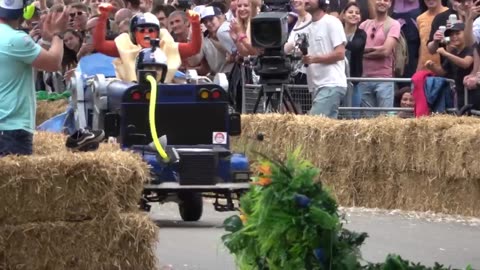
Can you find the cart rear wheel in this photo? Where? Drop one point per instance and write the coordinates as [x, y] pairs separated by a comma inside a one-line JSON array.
[[190, 206]]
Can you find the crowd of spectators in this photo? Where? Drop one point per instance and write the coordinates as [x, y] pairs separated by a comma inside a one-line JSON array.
[[347, 38]]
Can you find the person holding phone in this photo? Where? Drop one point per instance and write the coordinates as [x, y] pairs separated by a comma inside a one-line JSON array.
[[36, 32]]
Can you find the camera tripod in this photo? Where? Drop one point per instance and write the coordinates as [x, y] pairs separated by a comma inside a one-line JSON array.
[[275, 95]]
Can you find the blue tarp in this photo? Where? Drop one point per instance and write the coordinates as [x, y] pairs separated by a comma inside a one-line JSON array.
[[61, 123], [96, 63]]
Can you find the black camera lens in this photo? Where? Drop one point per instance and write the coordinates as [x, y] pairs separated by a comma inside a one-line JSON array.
[[266, 34], [269, 30]]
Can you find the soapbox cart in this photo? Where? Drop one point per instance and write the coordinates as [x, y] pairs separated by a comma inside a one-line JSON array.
[[193, 120]]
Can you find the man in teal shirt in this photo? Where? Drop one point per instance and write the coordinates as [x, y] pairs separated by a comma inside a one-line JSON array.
[[19, 55]]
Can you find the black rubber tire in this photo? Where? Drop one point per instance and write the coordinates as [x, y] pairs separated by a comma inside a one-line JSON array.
[[190, 206]]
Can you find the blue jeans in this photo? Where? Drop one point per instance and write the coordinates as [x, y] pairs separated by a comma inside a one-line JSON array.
[[356, 101], [326, 101], [16, 142], [377, 94]]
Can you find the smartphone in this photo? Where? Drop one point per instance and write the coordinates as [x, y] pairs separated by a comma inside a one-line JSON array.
[[89, 39], [34, 24]]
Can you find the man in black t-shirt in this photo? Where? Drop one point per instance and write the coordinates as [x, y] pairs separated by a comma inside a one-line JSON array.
[[457, 63], [435, 38], [457, 73]]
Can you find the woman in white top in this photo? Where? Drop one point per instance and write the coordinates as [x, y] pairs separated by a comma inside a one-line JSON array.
[[240, 46], [240, 27], [299, 74]]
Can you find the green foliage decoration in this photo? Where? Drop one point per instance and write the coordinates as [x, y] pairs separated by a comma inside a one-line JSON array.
[[288, 220]]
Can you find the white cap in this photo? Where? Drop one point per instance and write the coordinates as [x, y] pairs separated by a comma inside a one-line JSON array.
[[199, 9], [210, 11], [12, 9]]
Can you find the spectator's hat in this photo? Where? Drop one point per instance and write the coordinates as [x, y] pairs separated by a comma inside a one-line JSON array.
[[199, 9], [220, 5], [458, 26], [12, 9], [30, 11], [210, 12]]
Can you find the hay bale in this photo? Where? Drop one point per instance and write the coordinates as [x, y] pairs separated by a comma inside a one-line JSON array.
[[45, 143], [48, 109], [386, 162], [69, 186], [406, 191], [125, 242], [384, 143], [461, 144]]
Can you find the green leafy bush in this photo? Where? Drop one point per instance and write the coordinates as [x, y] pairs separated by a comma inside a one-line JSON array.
[[290, 221]]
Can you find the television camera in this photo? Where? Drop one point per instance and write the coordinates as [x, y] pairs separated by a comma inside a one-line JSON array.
[[276, 6], [190, 158], [269, 32]]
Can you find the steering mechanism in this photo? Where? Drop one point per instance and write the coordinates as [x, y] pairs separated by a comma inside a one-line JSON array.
[[152, 68]]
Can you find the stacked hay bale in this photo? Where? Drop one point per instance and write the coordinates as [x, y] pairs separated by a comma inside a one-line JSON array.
[[47, 109], [62, 210], [428, 164]]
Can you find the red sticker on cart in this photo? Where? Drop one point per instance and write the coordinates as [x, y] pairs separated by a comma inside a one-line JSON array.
[[219, 138]]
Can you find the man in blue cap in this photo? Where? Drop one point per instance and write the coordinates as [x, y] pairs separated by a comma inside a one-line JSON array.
[[19, 55]]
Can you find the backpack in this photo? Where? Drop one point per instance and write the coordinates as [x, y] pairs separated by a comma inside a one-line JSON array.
[[400, 58]]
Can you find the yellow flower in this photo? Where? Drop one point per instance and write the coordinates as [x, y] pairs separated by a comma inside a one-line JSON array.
[[243, 218]]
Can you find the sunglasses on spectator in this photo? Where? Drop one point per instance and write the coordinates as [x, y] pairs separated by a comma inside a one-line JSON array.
[[372, 36], [78, 13], [144, 30]]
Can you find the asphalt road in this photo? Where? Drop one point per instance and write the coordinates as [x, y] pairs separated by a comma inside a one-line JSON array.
[[419, 237]]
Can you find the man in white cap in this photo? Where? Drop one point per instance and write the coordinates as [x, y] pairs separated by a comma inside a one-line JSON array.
[[19, 55]]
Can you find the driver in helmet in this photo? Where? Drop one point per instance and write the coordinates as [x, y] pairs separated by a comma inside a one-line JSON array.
[[152, 61], [143, 27]]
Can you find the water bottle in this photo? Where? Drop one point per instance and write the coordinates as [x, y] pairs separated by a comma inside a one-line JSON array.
[[442, 29], [452, 19]]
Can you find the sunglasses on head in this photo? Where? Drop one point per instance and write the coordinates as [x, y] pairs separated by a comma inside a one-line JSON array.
[[144, 30], [78, 13]]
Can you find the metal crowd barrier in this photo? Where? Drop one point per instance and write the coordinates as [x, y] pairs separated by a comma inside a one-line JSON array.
[[475, 112], [302, 99]]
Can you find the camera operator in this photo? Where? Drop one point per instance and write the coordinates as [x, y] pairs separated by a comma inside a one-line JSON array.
[[304, 20], [301, 27], [326, 60]]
